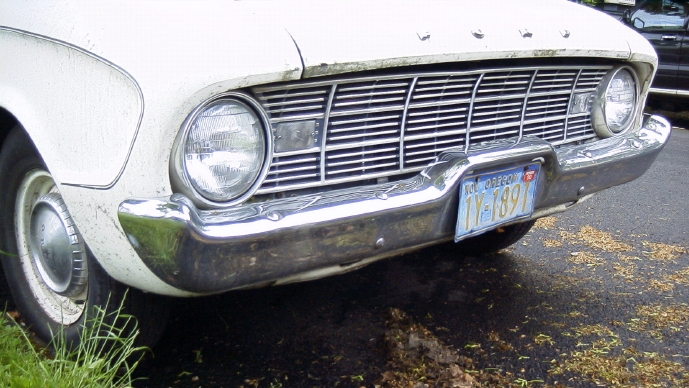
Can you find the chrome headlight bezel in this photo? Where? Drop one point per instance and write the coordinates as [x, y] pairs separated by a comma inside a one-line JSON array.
[[599, 119], [180, 179]]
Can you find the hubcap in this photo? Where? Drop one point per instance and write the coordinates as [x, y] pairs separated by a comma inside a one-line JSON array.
[[51, 250], [57, 247]]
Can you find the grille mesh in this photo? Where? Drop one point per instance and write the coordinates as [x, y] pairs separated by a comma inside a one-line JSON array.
[[378, 127]]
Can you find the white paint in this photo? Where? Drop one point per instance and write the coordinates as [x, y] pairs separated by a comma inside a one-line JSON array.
[[83, 113], [622, 2], [360, 35]]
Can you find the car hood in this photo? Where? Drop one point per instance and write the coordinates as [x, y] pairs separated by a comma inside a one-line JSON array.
[[180, 46], [338, 37]]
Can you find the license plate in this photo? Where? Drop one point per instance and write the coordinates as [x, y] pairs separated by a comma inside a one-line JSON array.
[[494, 198]]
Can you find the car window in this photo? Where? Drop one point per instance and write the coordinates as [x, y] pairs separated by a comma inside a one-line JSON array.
[[660, 15]]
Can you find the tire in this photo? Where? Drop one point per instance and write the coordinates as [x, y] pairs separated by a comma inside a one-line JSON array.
[[494, 240], [58, 286]]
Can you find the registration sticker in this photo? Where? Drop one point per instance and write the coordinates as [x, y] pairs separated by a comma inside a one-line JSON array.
[[494, 198]]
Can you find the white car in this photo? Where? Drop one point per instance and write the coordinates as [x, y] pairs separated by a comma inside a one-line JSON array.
[[186, 148]]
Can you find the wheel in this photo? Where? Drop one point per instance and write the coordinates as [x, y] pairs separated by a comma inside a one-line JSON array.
[[494, 240], [54, 279]]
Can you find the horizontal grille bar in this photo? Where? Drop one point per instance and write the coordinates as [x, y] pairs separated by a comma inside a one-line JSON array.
[[376, 127]]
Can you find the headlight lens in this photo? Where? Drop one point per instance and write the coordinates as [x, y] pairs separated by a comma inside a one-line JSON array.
[[224, 150], [620, 101], [614, 107]]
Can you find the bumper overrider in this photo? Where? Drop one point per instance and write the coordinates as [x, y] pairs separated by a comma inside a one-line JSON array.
[[311, 236]]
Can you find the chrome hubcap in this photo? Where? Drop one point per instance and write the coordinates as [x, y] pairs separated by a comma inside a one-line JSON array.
[[57, 247], [51, 250]]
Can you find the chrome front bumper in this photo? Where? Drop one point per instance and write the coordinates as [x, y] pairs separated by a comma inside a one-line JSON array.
[[311, 236]]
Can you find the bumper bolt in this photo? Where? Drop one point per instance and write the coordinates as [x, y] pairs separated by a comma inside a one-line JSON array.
[[380, 242]]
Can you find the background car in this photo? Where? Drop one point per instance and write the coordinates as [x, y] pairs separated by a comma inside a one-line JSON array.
[[664, 24]]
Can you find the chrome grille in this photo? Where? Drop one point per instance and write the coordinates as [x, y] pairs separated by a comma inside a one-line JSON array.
[[371, 128]]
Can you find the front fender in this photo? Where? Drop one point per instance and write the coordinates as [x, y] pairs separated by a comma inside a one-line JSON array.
[[80, 110]]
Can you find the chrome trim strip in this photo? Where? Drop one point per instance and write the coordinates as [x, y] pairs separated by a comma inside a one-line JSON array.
[[345, 80], [297, 109], [293, 102], [447, 122], [470, 112], [292, 178], [311, 93], [340, 180], [569, 102], [309, 151], [403, 127], [372, 99], [296, 118], [336, 147], [545, 94], [324, 135], [671, 92], [372, 87], [114, 67], [431, 135], [257, 244], [421, 105], [354, 112]]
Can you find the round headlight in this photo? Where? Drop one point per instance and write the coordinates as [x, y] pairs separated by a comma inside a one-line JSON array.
[[223, 151], [620, 101], [617, 101]]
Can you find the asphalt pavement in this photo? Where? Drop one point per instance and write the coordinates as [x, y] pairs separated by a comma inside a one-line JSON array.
[[596, 296]]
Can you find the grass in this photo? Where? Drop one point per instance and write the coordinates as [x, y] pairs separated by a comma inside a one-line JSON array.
[[105, 357], [3, 253]]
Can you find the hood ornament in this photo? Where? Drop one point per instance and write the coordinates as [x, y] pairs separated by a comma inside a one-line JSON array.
[[478, 33], [424, 36], [564, 33]]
